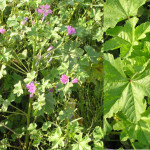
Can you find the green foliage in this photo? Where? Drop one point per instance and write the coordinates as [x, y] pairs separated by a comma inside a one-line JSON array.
[[38, 110], [126, 72], [122, 9]]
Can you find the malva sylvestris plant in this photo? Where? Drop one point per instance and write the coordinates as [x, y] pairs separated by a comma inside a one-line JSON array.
[[31, 88], [2, 31], [37, 63], [71, 30], [75, 80], [44, 9], [64, 79]]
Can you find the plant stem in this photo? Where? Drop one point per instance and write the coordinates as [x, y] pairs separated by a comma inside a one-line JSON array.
[[34, 51], [28, 122], [15, 69], [18, 109]]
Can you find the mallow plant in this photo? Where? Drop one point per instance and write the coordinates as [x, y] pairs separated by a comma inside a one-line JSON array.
[[51, 75]]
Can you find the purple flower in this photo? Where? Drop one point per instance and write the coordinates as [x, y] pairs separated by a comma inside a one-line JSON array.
[[64, 79], [44, 9], [75, 80], [47, 55], [50, 48], [71, 116], [22, 22], [51, 90], [31, 88], [39, 57], [71, 30], [36, 63], [33, 22], [43, 18], [50, 60], [47, 23], [26, 19], [2, 31]]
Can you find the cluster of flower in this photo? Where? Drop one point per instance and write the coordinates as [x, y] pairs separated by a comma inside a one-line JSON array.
[[2, 31], [31, 88], [44, 9], [64, 79]]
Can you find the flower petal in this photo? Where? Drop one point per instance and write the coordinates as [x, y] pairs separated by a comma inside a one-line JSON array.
[[49, 11], [47, 6], [44, 14]]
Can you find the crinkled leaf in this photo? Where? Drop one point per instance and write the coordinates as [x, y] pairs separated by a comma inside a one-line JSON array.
[[30, 77], [12, 21], [18, 89], [126, 38], [122, 9], [122, 93], [2, 71], [92, 54], [2, 5], [82, 143], [40, 103], [50, 103], [46, 125], [57, 139]]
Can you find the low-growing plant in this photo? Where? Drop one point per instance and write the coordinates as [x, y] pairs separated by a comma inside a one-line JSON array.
[[51, 74]]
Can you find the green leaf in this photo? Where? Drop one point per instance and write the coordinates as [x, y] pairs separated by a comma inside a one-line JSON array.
[[18, 89], [122, 9], [92, 54], [98, 145], [2, 71], [71, 51], [122, 93], [67, 87], [63, 68], [2, 5], [50, 103], [23, 55], [57, 139], [32, 126], [12, 21], [124, 38], [98, 133], [40, 103], [141, 30], [46, 125], [136, 131], [82, 143], [30, 77], [5, 54], [65, 114], [5, 105]]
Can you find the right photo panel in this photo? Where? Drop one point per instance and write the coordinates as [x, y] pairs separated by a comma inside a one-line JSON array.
[[126, 105]]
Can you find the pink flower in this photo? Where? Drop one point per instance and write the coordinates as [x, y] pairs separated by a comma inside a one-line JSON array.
[[26, 19], [50, 48], [47, 23], [2, 31], [64, 79], [75, 80], [51, 90], [44, 10], [33, 22], [22, 22], [31, 88], [71, 30]]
